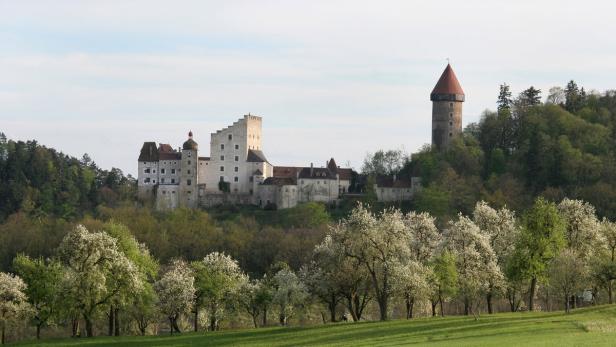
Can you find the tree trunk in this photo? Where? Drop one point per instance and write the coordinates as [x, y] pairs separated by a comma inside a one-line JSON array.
[[489, 302], [466, 306], [531, 299], [2, 339], [440, 300], [359, 306], [433, 303], [116, 316], [213, 323], [282, 319], [196, 322], [111, 321], [567, 299], [75, 327], [351, 309], [409, 307], [254, 320], [264, 316], [511, 298], [89, 328], [38, 331], [382, 300], [175, 324], [171, 326], [332, 308], [609, 292]]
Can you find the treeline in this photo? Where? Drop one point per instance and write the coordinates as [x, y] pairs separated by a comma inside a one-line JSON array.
[[44, 182], [256, 238], [367, 266], [564, 146]]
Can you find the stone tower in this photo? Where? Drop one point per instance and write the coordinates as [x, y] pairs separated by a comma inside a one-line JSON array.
[[447, 98], [189, 193]]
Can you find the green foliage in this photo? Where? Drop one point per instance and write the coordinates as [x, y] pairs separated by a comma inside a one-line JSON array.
[[541, 238], [41, 181], [43, 284]]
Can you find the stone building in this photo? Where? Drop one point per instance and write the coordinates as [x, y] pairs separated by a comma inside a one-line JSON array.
[[447, 98], [394, 189], [236, 172]]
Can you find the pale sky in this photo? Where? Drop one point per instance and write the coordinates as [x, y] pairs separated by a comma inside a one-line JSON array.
[[330, 78]]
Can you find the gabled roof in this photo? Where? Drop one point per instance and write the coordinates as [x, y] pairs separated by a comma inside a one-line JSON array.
[[331, 165], [280, 181], [286, 171], [149, 152], [447, 84], [390, 182], [317, 173], [165, 147], [169, 156], [256, 156]]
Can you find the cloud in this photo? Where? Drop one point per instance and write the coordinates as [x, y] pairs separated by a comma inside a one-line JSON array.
[[332, 78]]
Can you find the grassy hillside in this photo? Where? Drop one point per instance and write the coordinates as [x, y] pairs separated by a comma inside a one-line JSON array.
[[590, 326]]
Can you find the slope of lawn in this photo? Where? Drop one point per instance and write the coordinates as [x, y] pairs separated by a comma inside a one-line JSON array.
[[594, 326]]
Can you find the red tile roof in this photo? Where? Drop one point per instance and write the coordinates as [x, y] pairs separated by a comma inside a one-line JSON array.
[[448, 83]]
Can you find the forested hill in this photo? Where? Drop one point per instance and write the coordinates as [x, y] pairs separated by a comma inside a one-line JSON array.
[[565, 146], [42, 181]]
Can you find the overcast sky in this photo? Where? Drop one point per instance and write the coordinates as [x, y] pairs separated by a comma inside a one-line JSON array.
[[330, 78]]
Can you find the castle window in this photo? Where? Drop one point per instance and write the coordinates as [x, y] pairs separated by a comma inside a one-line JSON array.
[[153, 181], [237, 169], [189, 162], [146, 180], [173, 192], [222, 157], [188, 172], [189, 154], [162, 180], [237, 146], [251, 179], [164, 192], [188, 182], [451, 115], [450, 123], [222, 146], [173, 171], [237, 158], [188, 192], [162, 171], [222, 168], [173, 180], [230, 137], [222, 178], [236, 179], [451, 104], [450, 134]]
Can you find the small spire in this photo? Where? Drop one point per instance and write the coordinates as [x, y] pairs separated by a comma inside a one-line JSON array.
[[190, 135]]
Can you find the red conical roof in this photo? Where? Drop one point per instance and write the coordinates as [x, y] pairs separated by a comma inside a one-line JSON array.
[[448, 83]]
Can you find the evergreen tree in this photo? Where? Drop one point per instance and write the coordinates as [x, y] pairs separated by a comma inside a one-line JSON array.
[[531, 97], [504, 98]]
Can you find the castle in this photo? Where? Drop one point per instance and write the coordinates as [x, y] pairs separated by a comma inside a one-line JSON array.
[[237, 171]]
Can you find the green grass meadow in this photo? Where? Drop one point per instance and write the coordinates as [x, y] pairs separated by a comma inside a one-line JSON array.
[[594, 326]]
